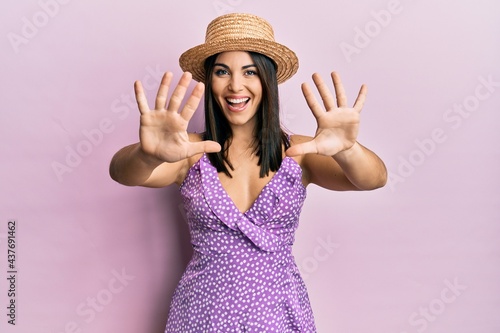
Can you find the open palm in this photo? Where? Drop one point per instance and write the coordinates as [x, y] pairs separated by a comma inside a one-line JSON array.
[[338, 124], [163, 130]]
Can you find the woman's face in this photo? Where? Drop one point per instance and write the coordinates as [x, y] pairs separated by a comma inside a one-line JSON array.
[[236, 87]]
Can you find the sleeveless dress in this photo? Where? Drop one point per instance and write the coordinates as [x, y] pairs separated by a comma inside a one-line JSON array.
[[242, 276]]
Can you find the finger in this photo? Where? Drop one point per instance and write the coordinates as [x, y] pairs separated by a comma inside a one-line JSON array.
[[339, 90], [179, 92], [193, 101], [161, 96], [311, 100], [360, 100], [140, 97], [324, 92], [302, 148]]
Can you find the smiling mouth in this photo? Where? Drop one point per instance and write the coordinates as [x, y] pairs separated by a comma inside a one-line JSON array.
[[237, 104]]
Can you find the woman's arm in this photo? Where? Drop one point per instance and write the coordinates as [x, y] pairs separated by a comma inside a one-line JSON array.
[[356, 169], [132, 167], [362, 167]]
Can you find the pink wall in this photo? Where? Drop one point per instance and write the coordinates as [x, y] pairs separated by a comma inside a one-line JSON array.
[[420, 255]]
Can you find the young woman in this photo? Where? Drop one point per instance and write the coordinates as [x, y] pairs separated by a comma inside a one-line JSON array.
[[244, 179]]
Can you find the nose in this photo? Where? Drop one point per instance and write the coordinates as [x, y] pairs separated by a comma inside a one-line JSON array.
[[235, 83]]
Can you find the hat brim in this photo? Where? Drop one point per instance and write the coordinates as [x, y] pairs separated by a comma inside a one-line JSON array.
[[286, 60]]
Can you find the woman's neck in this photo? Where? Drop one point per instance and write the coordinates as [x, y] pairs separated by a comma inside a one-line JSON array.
[[243, 137]]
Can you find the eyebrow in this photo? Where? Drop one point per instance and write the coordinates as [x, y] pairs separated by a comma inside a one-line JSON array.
[[227, 67]]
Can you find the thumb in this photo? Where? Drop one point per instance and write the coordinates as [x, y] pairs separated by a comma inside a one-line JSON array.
[[211, 146], [204, 147], [302, 149]]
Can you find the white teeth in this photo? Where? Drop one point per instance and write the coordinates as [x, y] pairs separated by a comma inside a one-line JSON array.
[[237, 100]]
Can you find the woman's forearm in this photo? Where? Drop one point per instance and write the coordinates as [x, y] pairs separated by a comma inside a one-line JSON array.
[[131, 166], [362, 167]]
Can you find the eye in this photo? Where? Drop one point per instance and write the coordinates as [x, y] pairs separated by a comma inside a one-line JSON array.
[[220, 72], [251, 73]]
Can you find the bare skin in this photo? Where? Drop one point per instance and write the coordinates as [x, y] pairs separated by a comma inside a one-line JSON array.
[[332, 159]]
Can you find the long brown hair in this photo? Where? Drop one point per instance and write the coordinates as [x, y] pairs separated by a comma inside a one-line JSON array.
[[270, 139]]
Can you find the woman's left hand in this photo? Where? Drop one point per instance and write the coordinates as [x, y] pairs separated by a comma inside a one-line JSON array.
[[338, 124]]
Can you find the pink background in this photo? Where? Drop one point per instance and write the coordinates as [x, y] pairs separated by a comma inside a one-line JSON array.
[[420, 255]]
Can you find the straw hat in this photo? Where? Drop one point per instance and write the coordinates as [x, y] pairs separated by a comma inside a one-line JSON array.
[[240, 32]]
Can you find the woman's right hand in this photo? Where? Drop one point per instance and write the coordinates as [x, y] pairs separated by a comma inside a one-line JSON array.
[[163, 132]]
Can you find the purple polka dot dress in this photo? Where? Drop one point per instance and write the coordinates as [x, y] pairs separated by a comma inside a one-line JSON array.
[[242, 276]]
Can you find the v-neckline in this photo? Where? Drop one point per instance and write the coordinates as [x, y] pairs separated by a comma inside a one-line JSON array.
[[223, 190]]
